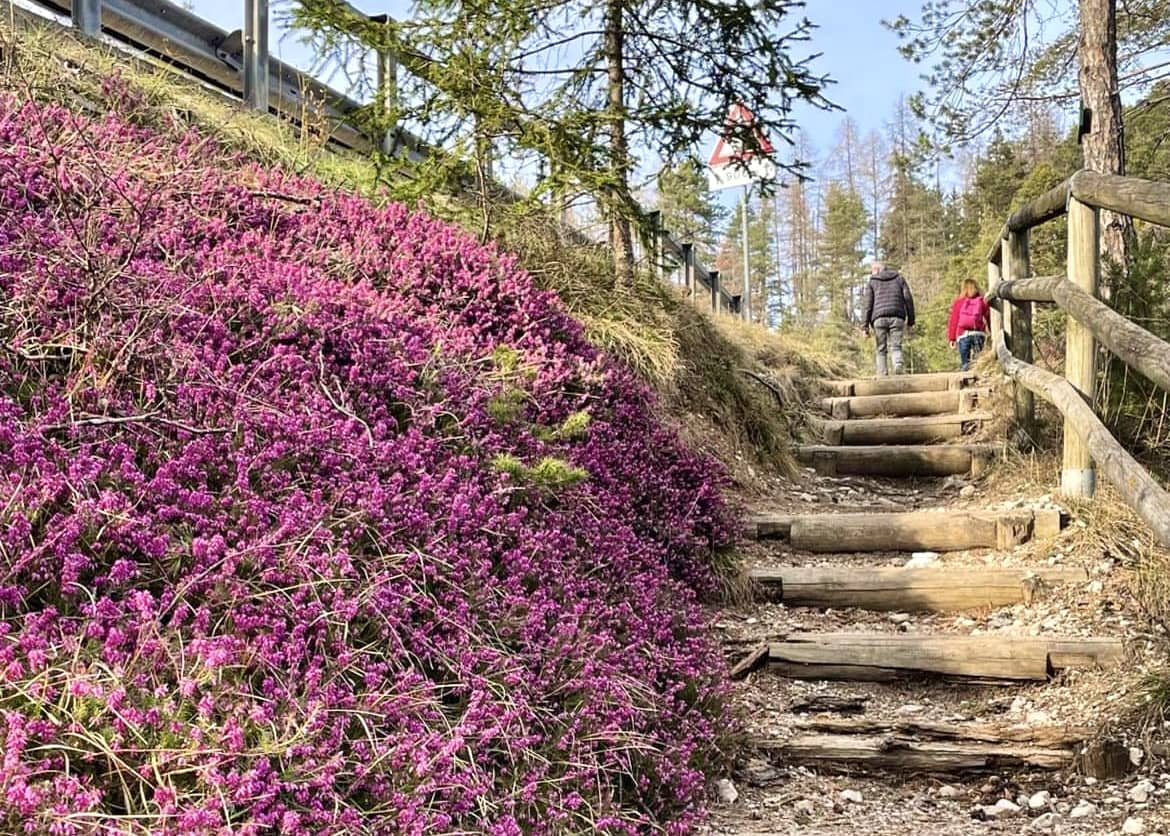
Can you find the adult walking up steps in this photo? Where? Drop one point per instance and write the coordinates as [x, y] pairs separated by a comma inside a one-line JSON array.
[[918, 658]]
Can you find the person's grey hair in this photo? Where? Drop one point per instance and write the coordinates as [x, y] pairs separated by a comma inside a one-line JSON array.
[[878, 266]]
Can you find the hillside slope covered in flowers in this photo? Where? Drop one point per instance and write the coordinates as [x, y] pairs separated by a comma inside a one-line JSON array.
[[316, 517]]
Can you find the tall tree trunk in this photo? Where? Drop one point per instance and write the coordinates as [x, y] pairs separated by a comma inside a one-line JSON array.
[[621, 235], [1103, 148]]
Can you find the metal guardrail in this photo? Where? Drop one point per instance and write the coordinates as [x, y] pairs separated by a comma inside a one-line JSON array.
[[235, 62], [238, 63]]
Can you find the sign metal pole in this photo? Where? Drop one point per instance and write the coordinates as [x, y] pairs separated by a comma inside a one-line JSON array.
[[747, 263]]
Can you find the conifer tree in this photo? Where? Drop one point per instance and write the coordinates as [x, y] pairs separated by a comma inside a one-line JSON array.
[[593, 86]]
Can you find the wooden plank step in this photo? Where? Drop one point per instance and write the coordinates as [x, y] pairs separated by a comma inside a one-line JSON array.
[[899, 384], [908, 531], [942, 589], [888, 656], [1047, 735], [898, 753], [922, 429], [896, 460], [909, 404]]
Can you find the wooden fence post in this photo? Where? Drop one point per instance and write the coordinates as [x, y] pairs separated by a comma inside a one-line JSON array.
[[1078, 476], [1017, 264], [688, 258], [713, 276]]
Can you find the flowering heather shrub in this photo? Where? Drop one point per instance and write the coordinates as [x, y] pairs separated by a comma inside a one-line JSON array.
[[316, 518]]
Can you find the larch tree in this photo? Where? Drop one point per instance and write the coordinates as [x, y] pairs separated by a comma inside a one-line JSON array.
[[987, 59], [841, 251], [594, 87], [689, 209]]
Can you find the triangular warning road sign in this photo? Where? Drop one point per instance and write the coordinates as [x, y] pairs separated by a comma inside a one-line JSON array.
[[730, 149]]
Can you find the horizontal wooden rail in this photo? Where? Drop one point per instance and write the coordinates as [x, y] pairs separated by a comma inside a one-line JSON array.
[[1137, 347], [1142, 199], [1051, 204], [1137, 487]]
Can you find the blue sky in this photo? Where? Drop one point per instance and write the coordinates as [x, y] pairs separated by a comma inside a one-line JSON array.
[[859, 54]]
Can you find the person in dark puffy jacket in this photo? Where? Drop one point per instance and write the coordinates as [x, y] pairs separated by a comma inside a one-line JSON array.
[[969, 323], [887, 307]]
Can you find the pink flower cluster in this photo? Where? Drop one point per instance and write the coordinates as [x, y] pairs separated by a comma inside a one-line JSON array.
[[260, 568]]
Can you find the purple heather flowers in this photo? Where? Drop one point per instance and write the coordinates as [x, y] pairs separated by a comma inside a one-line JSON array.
[[319, 517]]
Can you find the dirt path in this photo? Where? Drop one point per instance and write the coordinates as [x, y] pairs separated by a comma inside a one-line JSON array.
[[776, 797]]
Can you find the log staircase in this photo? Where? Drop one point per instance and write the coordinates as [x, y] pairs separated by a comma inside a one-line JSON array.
[[909, 427]]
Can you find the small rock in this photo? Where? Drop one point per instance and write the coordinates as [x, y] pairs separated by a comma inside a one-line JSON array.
[[1001, 809], [1135, 755], [1037, 718], [759, 773], [1113, 800], [1133, 825], [910, 708], [1141, 792], [920, 560], [1045, 823], [1095, 587], [947, 791], [967, 491], [1084, 809], [1040, 800], [851, 796], [726, 791], [1018, 705], [1090, 780], [751, 620], [899, 617], [804, 807]]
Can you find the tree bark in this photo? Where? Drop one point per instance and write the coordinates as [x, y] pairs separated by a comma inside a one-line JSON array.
[[1103, 148], [621, 235]]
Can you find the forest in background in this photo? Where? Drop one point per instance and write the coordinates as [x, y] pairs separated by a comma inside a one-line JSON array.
[[884, 194]]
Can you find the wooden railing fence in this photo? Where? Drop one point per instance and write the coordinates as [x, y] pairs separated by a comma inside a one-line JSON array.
[[1088, 444]]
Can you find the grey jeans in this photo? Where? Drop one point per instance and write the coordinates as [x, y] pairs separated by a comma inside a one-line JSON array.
[[887, 333]]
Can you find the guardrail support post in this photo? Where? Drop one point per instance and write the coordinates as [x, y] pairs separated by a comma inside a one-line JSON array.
[[1017, 264], [688, 258], [256, 54], [713, 276], [388, 98], [87, 16], [1078, 476]]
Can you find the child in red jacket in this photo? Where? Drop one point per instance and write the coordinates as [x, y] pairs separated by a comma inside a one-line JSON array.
[[969, 323]]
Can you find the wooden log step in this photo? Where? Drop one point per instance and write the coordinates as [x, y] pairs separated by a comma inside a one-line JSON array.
[[896, 460], [888, 656], [922, 429], [899, 384], [1049, 735], [840, 752], [910, 590], [940, 531], [909, 404]]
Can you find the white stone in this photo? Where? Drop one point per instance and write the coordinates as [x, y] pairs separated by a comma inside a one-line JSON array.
[[1037, 718], [1095, 587], [1141, 792], [920, 560], [967, 491], [804, 806], [1006, 805], [947, 791], [851, 796], [1018, 705], [1090, 780], [899, 617], [1135, 755], [726, 791], [1040, 800], [1133, 825], [1045, 823], [910, 708], [1084, 809]]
